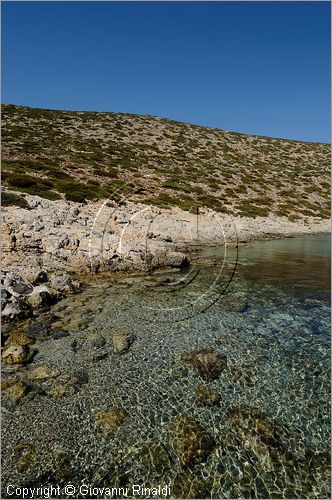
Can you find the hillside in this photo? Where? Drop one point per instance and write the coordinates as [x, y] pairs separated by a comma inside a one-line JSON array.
[[88, 155]]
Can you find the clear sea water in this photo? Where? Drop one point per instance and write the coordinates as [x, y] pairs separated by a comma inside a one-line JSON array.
[[270, 316]]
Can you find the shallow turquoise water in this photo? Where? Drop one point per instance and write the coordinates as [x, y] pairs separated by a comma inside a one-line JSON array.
[[271, 429]]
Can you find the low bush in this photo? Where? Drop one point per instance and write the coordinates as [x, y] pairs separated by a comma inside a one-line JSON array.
[[11, 199], [178, 186], [155, 201], [77, 196], [40, 190], [250, 210], [294, 218], [79, 192], [20, 180]]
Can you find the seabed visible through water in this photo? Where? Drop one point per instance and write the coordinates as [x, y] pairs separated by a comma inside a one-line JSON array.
[[127, 399]]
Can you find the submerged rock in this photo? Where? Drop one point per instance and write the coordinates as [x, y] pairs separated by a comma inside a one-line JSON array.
[[63, 390], [109, 421], [43, 372], [272, 457], [14, 392], [191, 443], [58, 333], [27, 457], [206, 396], [19, 338], [17, 355], [62, 466], [250, 420], [122, 342], [266, 439], [207, 362], [35, 329], [98, 356], [156, 457], [70, 384], [188, 485], [244, 374]]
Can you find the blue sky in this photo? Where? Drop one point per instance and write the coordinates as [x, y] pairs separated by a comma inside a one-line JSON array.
[[255, 67]]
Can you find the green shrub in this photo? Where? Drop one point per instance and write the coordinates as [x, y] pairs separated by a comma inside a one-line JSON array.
[[175, 185], [100, 172], [250, 210], [281, 212], [30, 145], [188, 205], [294, 218], [43, 193], [77, 196], [8, 199], [58, 174], [20, 180], [40, 190], [119, 186], [155, 201], [309, 213], [79, 192]]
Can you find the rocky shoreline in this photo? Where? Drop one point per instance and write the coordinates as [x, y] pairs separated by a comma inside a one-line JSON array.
[[50, 245]]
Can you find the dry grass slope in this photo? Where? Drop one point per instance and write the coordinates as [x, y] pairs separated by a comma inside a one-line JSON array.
[[89, 155]]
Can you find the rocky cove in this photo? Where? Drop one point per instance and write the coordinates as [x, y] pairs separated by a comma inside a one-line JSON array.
[[106, 382], [47, 246]]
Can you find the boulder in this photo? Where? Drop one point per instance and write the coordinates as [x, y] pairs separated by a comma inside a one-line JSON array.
[[18, 309], [35, 275], [16, 285], [18, 338], [63, 283], [5, 297], [17, 355], [5, 294], [15, 392], [177, 260], [41, 296]]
